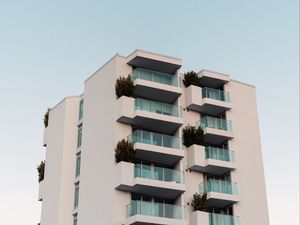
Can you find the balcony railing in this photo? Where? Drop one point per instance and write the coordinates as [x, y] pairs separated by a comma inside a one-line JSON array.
[[220, 219], [158, 173], [215, 94], [155, 209], [157, 77], [151, 138], [157, 107], [220, 186], [219, 154], [214, 122]]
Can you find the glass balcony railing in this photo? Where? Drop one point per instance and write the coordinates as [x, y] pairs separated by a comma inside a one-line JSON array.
[[220, 186], [220, 219], [215, 94], [151, 138], [157, 77], [155, 209], [158, 173], [214, 122], [219, 154], [157, 107]]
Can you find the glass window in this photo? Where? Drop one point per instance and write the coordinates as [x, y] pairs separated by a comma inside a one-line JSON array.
[[79, 137], [76, 196], [81, 109], [75, 220], [78, 161]]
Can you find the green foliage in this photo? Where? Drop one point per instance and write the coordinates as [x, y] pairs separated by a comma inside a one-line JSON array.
[[46, 117], [199, 202], [192, 135], [41, 170], [124, 86], [191, 78], [124, 151]]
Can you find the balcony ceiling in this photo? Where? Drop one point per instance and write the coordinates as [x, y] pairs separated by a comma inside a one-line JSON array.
[[152, 61]]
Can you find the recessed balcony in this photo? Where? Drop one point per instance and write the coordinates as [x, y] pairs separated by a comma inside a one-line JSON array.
[[149, 180], [212, 79], [156, 86], [160, 148], [150, 115], [205, 218], [207, 100], [216, 130], [153, 61], [154, 213], [210, 160], [220, 193]]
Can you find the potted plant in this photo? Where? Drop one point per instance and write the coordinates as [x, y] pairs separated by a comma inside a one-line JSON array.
[[41, 170], [190, 78], [199, 202], [192, 135], [46, 117], [124, 151], [124, 86]]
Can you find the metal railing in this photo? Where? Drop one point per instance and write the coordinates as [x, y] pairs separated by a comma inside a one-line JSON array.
[[157, 77], [215, 94], [151, 138], [158, 173], [219, 154], [221, 219], [157, 107], [214, 122], [220, 186], [156, 209]]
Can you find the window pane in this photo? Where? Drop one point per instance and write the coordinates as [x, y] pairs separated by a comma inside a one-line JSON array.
[[81, 109], [78, 161], [79, 137], [76, 197]]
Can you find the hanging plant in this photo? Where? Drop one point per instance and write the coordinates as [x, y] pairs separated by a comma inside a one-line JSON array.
[[124, 151], [124, 86]]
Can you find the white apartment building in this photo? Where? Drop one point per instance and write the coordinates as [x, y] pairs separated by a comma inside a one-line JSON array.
[[83, 185]]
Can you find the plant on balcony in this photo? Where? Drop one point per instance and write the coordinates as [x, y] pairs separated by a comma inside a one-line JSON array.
[[124, 86], [199, 202], [41, 170], [191, 78], [124, 151], [192, 135], [46, 117]]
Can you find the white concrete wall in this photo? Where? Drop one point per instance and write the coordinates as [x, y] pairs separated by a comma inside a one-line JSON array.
[[249, 174], [192, 179], [99, 202], [58, 187]]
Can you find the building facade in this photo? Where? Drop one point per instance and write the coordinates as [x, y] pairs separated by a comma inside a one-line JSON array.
[[83, 184]]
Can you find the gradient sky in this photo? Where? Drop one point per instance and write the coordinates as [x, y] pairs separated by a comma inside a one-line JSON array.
[[48, 48]]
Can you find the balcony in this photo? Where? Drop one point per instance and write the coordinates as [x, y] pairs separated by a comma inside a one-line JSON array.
[[150, 115], [45, 137], [156, 86], [216, 130], [210, 160], [154, 213], [153, 61], [160, 148], [204, 218], [207, 100], [212, 79], [149, 180], [41, 190], [220, 193]]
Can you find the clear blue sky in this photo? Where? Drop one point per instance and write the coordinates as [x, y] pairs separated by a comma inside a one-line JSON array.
[[48, 48]]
